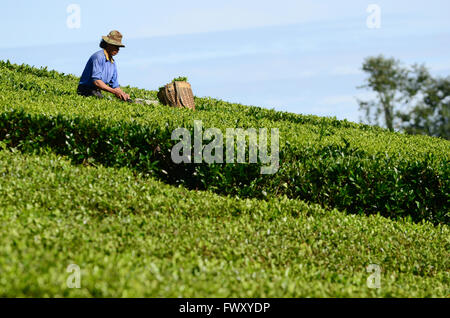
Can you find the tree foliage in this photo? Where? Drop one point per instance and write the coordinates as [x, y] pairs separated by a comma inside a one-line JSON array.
[[407, 98]]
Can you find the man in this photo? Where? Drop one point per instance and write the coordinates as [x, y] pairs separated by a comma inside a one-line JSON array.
[[100, 73]]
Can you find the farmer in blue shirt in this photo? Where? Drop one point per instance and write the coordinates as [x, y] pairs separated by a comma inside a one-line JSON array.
[[100, 73]]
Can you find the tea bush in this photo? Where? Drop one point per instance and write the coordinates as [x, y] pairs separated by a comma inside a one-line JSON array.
[[352, 167], [133, 236]]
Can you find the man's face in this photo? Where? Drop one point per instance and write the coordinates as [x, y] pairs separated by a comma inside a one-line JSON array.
[[112, 49]]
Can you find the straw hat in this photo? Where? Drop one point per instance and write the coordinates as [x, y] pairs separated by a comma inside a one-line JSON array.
[[114, 38]]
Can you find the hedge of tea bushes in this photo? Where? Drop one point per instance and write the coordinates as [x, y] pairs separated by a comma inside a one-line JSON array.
[[355, 168], [133, 236], [66, 84]]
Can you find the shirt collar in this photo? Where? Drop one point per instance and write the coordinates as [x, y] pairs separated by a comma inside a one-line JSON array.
[[108, 58]]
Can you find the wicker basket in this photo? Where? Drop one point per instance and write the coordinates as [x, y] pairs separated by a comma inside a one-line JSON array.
[[177, 94]]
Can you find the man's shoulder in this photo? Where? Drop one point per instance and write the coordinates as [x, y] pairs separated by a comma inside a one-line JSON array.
[[99, 55]]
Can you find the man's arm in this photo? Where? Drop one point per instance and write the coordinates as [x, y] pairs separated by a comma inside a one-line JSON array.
[[118, 92]]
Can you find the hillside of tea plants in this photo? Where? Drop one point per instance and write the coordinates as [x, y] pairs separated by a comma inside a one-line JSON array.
[[91, 182]]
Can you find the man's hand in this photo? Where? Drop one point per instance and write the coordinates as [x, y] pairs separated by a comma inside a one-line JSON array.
[[120, 94]]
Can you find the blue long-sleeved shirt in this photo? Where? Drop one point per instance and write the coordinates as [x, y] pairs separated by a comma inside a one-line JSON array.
[[100, 67]]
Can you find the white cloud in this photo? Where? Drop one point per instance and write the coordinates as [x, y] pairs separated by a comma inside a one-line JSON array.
[[345, 99], [439, 67], [181, 57], [340, 99], [346, 70], [208, 16]]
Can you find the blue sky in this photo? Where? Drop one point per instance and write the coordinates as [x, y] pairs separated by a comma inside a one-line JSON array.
[[299, 56]]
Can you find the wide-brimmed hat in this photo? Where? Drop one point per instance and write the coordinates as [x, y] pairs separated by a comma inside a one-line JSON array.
[[114, 38]]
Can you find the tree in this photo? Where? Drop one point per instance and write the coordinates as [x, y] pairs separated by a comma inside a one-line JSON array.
[[385, 76], [431, 114], [409, 99]]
